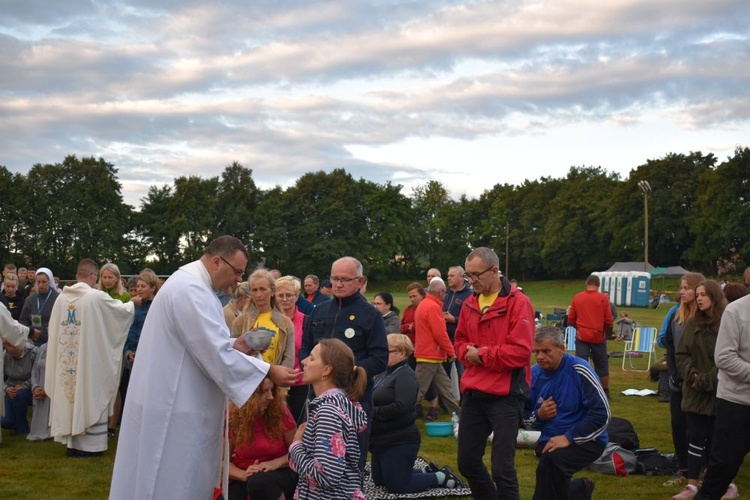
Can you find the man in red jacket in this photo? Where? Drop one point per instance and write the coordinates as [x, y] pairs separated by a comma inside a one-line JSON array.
[[591, 315], [494, 340], [433, 346]]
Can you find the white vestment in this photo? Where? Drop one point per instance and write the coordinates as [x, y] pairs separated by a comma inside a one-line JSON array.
[[16, 334], [87, 333], [171, 434]]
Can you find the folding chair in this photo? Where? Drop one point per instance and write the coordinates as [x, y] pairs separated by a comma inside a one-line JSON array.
[[643, 342], [570, 338]]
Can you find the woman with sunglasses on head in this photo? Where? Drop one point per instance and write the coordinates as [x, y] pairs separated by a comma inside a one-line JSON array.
[[325, 452], [262, 312]]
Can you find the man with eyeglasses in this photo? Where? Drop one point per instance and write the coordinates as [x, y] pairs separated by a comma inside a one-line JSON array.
[[350, 318], [494, 340], [87, 333], [187, 366]]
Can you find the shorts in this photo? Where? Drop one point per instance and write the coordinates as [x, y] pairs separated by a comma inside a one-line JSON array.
[[597, 353]]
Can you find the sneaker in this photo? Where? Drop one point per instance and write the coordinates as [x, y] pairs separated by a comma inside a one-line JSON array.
[[111, 433], [432, 414], [732, 492], [432, 467], [449, 475], [687, 493]]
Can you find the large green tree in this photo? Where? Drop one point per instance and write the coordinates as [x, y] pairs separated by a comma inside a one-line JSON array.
[[575, 223], [76, 211], [720, 219]]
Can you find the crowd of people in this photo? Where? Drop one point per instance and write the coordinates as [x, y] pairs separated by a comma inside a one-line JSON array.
[[340, 377]]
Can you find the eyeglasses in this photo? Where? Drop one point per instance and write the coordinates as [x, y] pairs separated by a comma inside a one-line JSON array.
[[393, 350], [238, 272], [378, 303], [285, 296], [475, 276], [344, 280]]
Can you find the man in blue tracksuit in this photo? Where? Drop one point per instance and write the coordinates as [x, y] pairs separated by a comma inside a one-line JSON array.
[[568, 405]]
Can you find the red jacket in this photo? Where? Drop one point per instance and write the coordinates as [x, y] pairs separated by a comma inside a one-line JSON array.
[[407, 322], [432, 335], [590, 314], [504, 336]]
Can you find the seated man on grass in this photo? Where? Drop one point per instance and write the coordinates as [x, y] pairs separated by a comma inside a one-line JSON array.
[[569, 407]]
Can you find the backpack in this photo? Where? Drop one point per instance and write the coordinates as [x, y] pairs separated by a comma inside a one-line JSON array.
[[621, 431], [615, 460], [653, 463]]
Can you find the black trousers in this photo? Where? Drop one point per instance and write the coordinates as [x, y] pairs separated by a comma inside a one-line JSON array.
[[557, 467], [482, 414], [265, 485], [730, 444], [679, 429]]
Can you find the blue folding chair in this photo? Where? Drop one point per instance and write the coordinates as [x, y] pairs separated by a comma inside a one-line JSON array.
[[643, 342], [570, 338]]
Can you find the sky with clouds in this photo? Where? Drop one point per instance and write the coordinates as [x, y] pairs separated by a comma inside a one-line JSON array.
[[470, 93]]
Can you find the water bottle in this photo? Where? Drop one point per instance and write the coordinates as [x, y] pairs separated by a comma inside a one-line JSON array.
[[454, 419]]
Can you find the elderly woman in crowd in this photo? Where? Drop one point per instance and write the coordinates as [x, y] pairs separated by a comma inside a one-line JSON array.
[[287, 291], [262, 312], [394, 438], [240, 299], [17, 368], [38, 306], [383, 302], [325, 451], [12, 296], [260, 434]]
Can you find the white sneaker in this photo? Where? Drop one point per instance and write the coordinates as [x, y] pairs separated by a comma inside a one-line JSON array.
[[732, 492], [687, 493]]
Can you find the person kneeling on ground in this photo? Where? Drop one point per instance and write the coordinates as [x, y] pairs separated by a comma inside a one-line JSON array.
[[569, 407], [395, 439]]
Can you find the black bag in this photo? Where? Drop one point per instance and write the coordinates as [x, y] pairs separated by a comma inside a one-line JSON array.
[[621, 431], [652, 463]]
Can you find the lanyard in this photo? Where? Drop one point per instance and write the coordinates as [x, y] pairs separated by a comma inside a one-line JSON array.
[[38, 307], [386, 377]]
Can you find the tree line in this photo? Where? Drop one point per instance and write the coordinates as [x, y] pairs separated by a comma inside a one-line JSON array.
[[553, 228]]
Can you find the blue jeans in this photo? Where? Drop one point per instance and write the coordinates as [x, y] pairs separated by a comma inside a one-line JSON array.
[[482, 414], [16, 410], [393, 467]]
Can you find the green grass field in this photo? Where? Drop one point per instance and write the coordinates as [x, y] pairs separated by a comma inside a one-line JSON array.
[[41, 470]]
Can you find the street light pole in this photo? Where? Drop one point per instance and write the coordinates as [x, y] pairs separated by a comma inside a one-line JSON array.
[[645, 188]]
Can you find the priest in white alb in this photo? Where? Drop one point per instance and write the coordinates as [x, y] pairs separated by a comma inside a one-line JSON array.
[[170, 440], [87, 333], [16, 334]]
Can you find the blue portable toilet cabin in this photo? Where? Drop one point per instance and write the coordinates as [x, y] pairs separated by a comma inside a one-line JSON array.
[[626, 288]]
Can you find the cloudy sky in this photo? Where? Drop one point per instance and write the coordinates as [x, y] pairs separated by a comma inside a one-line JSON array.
[[470, 93]]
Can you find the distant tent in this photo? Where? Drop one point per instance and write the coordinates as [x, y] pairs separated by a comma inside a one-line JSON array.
[[629, 266], [669, 272]]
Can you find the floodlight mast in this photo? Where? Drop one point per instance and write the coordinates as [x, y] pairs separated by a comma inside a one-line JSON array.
[[645, 188]]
